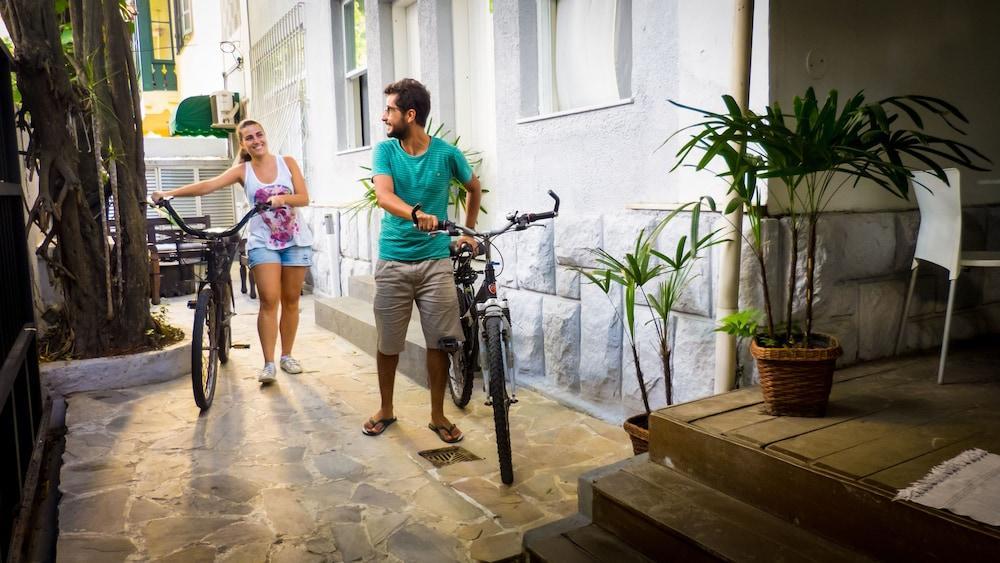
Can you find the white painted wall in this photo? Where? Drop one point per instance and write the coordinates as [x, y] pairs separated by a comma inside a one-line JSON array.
[[200, 63], [893, 47]]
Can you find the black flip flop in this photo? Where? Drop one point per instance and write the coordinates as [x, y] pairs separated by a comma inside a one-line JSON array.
[[448, 429], [385, 422]]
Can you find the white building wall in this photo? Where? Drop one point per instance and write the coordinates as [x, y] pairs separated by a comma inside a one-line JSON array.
[[200, 62], [608, 166]]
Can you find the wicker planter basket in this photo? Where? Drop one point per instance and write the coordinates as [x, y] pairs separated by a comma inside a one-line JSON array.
[[637, 428], [796, 381]]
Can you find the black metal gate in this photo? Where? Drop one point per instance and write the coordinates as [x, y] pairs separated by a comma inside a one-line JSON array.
[[20, 396]]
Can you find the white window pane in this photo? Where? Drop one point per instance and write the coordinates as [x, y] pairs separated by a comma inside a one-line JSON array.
[[412, 42], [585, 53], [354, 35]]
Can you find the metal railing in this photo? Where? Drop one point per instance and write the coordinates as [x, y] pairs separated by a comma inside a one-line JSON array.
[[278, 69], [19, 425], [20, 392]]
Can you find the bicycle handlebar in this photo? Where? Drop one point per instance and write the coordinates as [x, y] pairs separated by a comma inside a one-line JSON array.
[[201, 233], [517, 222]]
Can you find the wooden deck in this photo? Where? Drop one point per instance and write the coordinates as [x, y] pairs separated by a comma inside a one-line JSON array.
[[887, 425]]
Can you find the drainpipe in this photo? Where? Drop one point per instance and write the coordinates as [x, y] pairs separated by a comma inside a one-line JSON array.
[[729, 274]]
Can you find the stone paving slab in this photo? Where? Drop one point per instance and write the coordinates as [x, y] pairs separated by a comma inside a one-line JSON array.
[[283, 473]]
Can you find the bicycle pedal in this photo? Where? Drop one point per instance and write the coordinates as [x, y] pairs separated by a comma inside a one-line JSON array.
[[241, 346], [513, 400]]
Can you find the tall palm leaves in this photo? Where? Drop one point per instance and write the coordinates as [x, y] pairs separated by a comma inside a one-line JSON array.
[[644, 265], [814, 152]]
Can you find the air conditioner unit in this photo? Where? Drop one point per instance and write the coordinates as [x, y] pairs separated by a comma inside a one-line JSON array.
[[224, 110]]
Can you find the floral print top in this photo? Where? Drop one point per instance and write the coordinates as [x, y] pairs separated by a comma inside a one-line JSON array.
[[277, 228]]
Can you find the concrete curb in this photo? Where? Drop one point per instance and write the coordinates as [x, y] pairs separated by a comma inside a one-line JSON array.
[[116, 372]]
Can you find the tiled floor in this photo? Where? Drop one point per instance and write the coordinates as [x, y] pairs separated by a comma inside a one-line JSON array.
[[283, 473]]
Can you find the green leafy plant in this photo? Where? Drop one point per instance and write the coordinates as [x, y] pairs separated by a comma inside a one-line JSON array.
[[743, 325], [457, 195], [641, 266], [813, 153]]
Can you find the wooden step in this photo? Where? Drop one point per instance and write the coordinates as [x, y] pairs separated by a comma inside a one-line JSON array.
[[585, 543], [837, 475], [669, 517]]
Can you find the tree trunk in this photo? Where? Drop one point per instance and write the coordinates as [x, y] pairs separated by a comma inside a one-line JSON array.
[[83, 120]]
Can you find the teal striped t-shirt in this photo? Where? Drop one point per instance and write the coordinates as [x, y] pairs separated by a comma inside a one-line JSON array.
[[424, 179]]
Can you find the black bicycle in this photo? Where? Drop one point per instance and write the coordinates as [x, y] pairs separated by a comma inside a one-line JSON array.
[[211, 335], [486, 325]]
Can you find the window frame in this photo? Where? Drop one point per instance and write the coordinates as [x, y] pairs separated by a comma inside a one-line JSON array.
[[183, 13], [355, 105], [545, 55]]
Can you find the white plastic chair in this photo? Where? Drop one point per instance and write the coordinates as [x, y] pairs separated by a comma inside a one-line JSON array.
[[939, 241]]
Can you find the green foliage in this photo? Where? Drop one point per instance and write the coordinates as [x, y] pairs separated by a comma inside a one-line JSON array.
[[741, 324], [457, 195], [163, 333], [643, 265], [814, 152]]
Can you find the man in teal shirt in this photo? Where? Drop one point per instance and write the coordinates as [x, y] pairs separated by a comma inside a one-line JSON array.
[[411, 167]]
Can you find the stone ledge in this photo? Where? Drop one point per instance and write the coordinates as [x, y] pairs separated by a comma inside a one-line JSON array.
[[116, 372]]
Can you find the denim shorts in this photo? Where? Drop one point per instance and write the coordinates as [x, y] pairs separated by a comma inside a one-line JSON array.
[[290, 256]]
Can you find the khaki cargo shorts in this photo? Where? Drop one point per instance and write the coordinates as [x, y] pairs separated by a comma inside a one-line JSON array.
[[432, 285]]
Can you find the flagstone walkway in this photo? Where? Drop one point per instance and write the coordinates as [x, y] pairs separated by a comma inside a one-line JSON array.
[[283, 473]]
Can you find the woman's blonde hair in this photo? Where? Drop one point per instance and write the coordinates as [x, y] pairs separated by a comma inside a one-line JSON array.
[[244, 155]]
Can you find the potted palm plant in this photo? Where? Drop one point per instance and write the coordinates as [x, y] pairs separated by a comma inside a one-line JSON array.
[[811, 154], [633, 272]]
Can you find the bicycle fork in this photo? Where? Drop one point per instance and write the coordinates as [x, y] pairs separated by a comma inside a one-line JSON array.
[[493, 308]]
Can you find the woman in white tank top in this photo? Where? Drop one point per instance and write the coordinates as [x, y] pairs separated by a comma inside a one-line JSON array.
[[279, 243]]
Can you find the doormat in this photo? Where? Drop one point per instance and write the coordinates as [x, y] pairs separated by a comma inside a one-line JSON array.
[[967, 484]]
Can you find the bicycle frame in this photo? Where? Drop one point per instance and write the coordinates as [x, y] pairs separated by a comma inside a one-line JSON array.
[[488, 303]]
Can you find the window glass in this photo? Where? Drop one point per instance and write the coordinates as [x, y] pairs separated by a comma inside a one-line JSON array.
[[580, 53], [354, 35], [159, 16]]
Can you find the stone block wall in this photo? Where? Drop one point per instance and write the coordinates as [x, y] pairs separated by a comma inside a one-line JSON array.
[[570, 342]]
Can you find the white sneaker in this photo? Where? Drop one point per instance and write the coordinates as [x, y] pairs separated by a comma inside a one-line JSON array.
[[266, 374], [290, 365]]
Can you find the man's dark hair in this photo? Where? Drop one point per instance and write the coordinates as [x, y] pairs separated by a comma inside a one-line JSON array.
[[411, 94]]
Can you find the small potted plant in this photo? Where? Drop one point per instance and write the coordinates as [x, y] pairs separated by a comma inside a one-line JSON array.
[[633, 272], [811, 154]]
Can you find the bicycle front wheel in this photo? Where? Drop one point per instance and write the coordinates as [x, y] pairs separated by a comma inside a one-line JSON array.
[[205, 348], [498, 395], [224, 308], [465, 359]]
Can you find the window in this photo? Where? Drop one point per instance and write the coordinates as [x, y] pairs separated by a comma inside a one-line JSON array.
[[355, 74], [185, 22], [405, 40], [155, 45], [584, 53], [160, 26], [232, 18]]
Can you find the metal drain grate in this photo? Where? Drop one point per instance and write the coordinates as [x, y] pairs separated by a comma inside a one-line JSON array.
[[448, 456]]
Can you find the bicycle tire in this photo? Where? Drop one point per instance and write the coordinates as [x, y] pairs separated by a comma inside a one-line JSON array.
[[498, 396], [463, 361], [204, 363], [224, 308]]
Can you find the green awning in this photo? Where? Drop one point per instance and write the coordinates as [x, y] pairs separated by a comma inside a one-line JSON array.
[[193, 118]]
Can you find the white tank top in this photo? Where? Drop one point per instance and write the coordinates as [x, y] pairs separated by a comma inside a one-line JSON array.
[[275, 228]]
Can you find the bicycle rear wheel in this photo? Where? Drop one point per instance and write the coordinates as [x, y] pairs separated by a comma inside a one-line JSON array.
[[465, 359], [498, 396], [205, 348]]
